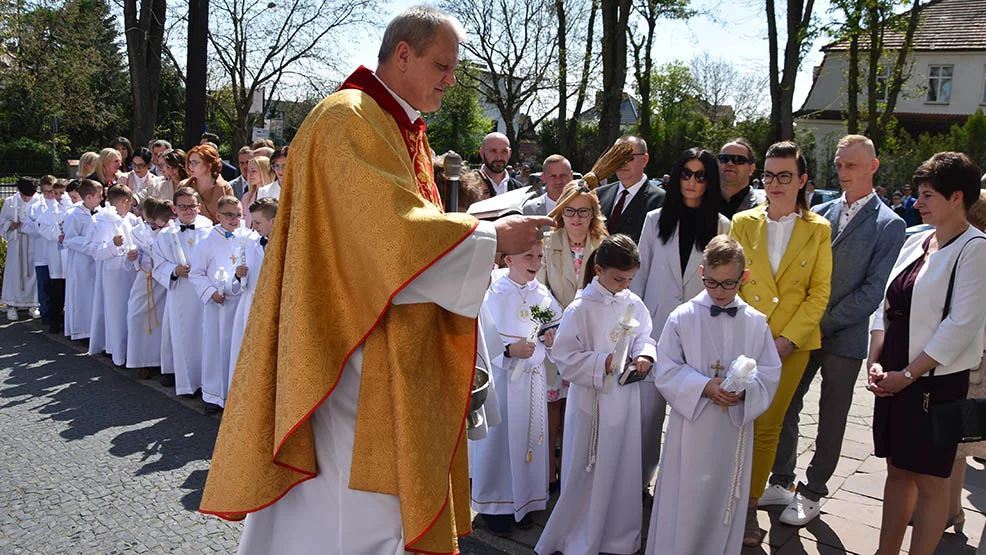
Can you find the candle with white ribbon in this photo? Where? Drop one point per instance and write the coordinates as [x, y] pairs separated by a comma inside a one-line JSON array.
[[179, 253]]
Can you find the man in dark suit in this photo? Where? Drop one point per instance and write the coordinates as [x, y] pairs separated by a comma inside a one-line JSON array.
[[736, 164], [495, 152], [866, 238], [626, 203], [812, 197]]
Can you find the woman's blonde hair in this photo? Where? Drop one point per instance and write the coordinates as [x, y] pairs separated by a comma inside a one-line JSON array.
[[597, 227], [87, 160], [105, 156], [266, 177]]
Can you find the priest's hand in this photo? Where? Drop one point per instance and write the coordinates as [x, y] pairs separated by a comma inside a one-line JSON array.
[[118, 240], [643, 365], [549, 337], [517, 234], [182, 271], [718, 395], [241, 271], [217, 298], [521, 349]]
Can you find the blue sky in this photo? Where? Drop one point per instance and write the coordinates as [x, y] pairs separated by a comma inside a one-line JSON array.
[[732, 29]]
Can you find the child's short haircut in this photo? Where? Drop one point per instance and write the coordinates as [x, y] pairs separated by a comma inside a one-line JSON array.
[[27, 186], [73, 186], [47, 180], [616, 251], [149, 206], [118, 192], [266, 206], [164, 211], [89, 187], [61, 183], [227, 200], [184, 192], [722, 250]]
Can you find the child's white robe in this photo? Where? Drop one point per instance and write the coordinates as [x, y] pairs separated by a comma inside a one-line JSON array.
[[49, 219], [600, 508], [114, 278], [20, 287], [145, 310], [504, 481], [80, 273], [704, 481], [247, 287], [181, 343], [214, 252]]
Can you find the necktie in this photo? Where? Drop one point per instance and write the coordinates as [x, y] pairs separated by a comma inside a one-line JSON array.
[[717, 310], [617, 211], [228, 234], [183, 227], [263, 242]]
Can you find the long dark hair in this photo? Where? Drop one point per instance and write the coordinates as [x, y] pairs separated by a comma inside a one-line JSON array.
[[707, 225], [616, 251]]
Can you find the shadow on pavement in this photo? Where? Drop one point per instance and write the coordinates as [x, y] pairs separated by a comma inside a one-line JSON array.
[[90, 398]]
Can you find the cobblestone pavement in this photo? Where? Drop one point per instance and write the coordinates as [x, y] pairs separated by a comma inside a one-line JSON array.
[[95, 461]]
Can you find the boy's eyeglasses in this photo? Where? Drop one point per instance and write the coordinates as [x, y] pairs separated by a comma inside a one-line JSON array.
[[727, 285], [687, 174], [232, 215], [580, 212], [186, 206]]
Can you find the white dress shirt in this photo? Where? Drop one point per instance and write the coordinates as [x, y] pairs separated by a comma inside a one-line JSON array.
[[631, 191], [778, 236], [502, 186], [849, 211], [549, 204], [412, 114]]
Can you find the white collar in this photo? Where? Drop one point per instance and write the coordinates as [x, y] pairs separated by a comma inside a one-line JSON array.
[[704, 299], [632, 190], [506, 176], [412, 114], [860, 202], [784, 219]]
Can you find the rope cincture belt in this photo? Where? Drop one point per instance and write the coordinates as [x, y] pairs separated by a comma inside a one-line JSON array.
[[151, 303], [23, 248]]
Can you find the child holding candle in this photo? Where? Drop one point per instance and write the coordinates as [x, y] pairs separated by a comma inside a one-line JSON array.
[[50, 224], [509, 468], [216, 262], [112, 248], [20, 290], [181, 338], [145, 310], [600, 507], [715, 393], [80, 273]]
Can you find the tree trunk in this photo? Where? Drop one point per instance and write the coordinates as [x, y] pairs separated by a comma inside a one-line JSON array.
[[616, 14], [896, 80], [145, 34], [573, 124], [563, 146], [874, 26], [195, 97], [852, 91], [782, 86], [774, 74]]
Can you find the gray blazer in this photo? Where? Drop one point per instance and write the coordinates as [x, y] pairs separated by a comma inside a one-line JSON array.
[[863, 255], [536, 206]]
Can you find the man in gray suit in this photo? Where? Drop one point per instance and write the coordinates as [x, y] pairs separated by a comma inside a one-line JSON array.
[[556, 173], [866, 238], [240, 184], [736, 164]]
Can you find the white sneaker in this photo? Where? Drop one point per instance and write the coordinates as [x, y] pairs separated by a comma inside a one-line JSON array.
[[12, 314], [775, 495], [800, 511], [34, 313]]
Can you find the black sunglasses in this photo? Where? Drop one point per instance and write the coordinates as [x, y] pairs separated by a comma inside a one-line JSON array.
[[737, 159], [687, 174]]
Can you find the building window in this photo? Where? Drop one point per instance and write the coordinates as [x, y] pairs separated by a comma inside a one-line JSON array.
[[939, 84], [984, 87], [882, 82]]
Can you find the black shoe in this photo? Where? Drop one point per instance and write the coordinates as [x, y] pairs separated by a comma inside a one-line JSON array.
[[499, 525], [212, 409], [554, 487], [144, 373], [168, 380], [526, 523]]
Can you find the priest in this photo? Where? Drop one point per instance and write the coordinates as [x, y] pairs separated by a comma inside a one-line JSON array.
[[322, 435]]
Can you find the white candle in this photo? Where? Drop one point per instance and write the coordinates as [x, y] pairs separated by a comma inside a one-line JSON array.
[[178, 251]]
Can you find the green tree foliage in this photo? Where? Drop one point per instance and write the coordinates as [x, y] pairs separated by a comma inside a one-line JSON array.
[[459, 124], [586, 149], [65, 65]]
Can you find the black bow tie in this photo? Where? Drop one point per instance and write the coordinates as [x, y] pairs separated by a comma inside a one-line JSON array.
[[717, 310], [263, 242], [183, 227], [92, 212]]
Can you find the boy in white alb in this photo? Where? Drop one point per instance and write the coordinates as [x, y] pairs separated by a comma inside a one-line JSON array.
[[217, 263], [49, 222], [509, 468], [38, 246], [704, 481], [20, 289], [600, 508], [145, 310], [181, 343], [112, 247], [262, 214], [80, 273]]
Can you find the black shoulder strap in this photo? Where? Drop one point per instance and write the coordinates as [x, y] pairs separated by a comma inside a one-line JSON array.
[[951, 285]]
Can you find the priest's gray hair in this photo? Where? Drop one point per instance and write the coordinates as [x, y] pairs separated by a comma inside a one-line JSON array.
[[416, 26]]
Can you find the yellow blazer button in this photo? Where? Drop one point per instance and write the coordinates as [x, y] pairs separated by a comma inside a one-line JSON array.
[[804, 263], [774, 300], [756, 298], [753, 282], [797, 281]]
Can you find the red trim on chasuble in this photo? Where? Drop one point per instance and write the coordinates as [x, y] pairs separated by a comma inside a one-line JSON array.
[[413, 133]]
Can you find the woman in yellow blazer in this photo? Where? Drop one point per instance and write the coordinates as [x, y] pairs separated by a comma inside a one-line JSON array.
[[789, 254]]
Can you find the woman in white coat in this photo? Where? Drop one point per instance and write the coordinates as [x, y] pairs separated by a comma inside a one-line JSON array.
[[671, 245]]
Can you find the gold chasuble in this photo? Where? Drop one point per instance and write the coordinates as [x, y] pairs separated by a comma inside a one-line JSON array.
[[359, 219]]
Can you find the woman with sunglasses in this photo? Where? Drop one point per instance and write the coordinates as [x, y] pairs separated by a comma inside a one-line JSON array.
[[671, 245], [789, 254], [578, 231]]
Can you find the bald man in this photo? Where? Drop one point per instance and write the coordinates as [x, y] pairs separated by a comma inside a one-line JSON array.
[[495, 152], [866, 238]]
